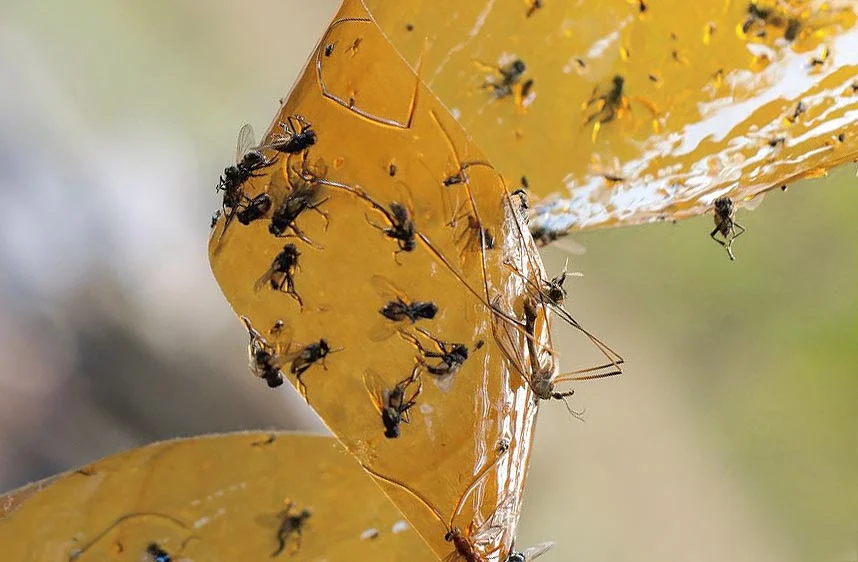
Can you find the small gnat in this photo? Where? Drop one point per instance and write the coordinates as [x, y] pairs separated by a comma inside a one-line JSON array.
[[369, 534], [399, 526]]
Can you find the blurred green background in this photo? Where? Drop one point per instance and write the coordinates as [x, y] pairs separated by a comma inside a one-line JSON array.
[[733, 435]]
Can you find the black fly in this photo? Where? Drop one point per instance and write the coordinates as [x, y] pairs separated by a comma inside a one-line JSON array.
[[306, 357], [247, 162], [254, 209], [282, 272], [400, 307], [725, 224], [401, 227], [290, 525], [391, 403], [295, 138], [451, 356], [264, 362], [306, 194]]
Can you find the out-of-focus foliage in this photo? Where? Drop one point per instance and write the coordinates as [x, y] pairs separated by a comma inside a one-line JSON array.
[[645, 110], [384, 146], [220, 497]]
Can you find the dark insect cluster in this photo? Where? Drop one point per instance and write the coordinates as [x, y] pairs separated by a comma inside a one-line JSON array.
[[760, 19], [248, 162]]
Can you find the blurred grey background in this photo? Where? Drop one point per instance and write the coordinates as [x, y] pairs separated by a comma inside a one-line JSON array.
[[733, 435]]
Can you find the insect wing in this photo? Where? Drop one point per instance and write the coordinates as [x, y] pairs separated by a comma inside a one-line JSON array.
[[246, 141], [377, 389], [535, 551], [384, 327]]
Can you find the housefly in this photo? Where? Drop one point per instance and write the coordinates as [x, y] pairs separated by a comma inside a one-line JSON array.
[[392, 403]]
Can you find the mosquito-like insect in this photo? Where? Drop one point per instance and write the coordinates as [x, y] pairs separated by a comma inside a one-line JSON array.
[[281, 274], [305, 195], [398, 308], [392, 403], [725, 224], [287, 525], [450, 356], [254, 209], [247, 161], [469, 544], [157, 553], [263, 357], [298, 135]]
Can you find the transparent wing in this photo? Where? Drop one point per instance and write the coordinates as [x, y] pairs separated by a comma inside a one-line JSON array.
[[534, 552], [383, 328], [246, 141], [386, 289], [265, 278], [376, 387]]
